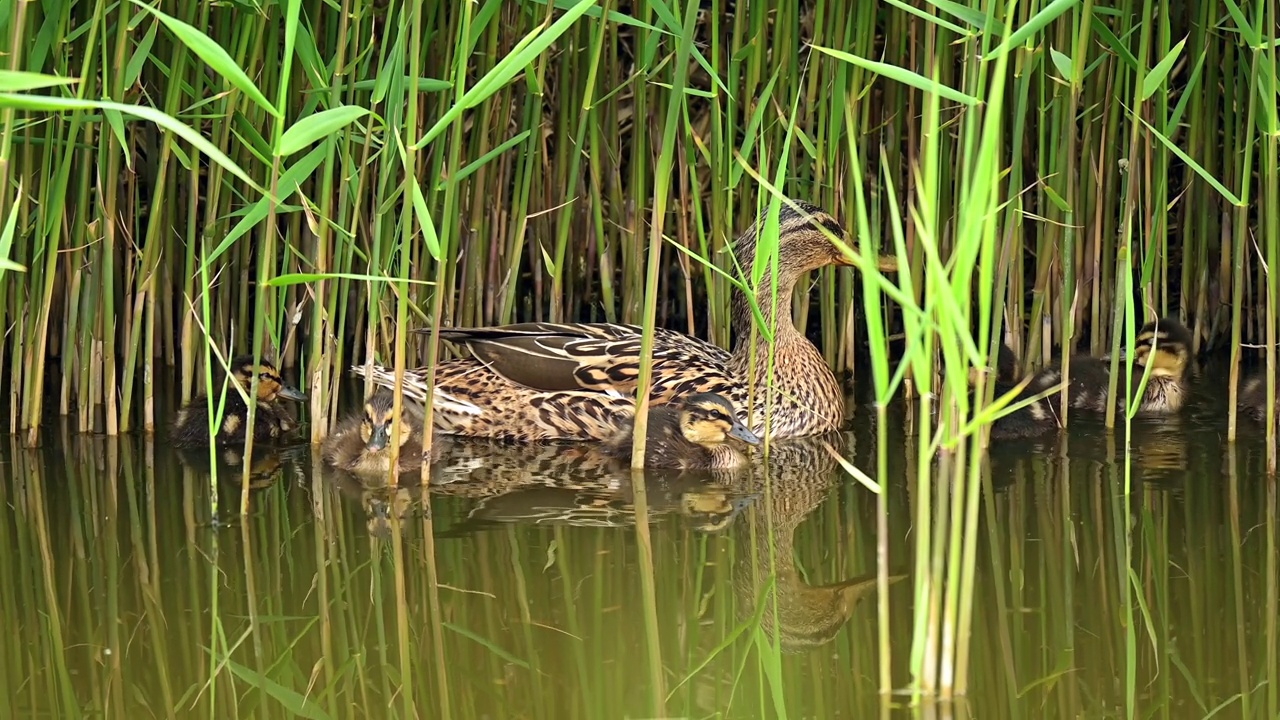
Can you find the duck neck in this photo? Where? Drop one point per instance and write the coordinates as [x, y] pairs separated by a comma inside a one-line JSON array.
[[743, 319]]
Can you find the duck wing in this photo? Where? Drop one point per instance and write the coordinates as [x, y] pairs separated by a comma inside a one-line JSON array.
[[597, 357]]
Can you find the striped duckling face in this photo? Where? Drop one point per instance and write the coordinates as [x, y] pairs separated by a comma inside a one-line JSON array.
[[1165, 345], [379, 421], [270, 386], [708, 420]]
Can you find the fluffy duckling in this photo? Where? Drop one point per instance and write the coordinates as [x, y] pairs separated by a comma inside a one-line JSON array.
[[360, 443], [701, 431], [271, 421], [1251, 399], [1006, 369], [1164, 345]]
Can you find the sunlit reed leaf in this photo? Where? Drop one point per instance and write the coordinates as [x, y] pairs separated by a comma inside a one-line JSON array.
[[1154, 79], [524, 52], [1032, 26], [313, 127], [116, 122], [214, 55], [902, 75], [6, 238], [1209, 178], [51, 104], [21, 80], [1064, 65]]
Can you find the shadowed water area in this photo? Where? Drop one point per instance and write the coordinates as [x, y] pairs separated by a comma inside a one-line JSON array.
[[114, 577]]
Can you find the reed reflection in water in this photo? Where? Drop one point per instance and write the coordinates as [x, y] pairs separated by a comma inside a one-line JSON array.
[[125, 596]]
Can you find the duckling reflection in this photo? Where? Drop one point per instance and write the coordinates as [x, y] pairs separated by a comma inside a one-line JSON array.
[[1163, 345], [704, 508], [267, 466], [360, 444], [701, 431], [379, 501], [808, 615], [271, 421]]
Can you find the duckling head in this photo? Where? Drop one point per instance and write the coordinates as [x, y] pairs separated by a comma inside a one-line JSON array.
[[708, 419], [1165, 345], [379, 420], [802, 244], [270, 386]]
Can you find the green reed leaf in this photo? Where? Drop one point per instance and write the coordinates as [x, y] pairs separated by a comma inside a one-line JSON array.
[[1205, 174], [1116, 44], [1154, 79], [902, 75], [168, 122], [21, 80], [1032, 26], [6, 238], [525, 51], [1063, 63], [313, 127], [486, 158], [963, 32], [214, 55]]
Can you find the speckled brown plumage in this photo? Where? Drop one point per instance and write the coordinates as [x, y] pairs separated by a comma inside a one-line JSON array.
[[272, 422], [696, 432], [577, 381], [1164, 344]]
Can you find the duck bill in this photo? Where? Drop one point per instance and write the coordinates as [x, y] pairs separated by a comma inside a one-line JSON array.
[[379, 438], [290, 393], [740, 432], [885, 263]]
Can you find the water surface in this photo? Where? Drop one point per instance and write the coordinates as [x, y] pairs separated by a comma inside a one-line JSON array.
[[125, 596]]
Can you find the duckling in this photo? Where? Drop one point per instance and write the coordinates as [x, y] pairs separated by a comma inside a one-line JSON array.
[[1007, 372], [700, 431], [1251, 399], [271, 422], [359, 443], [1164, 345]]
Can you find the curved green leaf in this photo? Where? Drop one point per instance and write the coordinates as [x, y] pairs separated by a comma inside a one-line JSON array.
[[312, 128], [214, 56]]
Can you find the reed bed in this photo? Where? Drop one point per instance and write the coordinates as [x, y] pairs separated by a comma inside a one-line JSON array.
[[310, 180]]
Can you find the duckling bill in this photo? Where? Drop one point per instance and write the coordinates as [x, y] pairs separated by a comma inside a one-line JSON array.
[[699, 432], [1163, 345], [360, 443], [271, 421]]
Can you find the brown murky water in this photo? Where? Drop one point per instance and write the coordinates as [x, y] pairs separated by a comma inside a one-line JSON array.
[[124, 598]]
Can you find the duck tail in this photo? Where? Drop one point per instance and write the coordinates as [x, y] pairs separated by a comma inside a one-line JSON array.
[[416, 389]]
